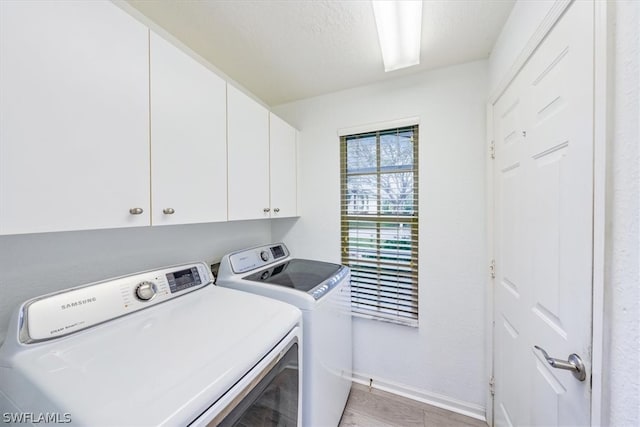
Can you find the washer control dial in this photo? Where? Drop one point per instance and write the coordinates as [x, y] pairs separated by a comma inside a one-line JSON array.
[[145, 291], [264, 255]]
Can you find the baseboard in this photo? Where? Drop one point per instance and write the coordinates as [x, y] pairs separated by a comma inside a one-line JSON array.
[[469, 409]]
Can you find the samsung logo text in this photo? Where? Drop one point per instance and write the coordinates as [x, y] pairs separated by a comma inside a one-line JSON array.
[[77, 303]]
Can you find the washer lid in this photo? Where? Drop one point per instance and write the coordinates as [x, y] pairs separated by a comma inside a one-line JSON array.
[[161, 366], [300, 274]]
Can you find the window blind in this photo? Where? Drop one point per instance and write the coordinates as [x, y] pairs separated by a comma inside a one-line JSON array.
[[379, 222]]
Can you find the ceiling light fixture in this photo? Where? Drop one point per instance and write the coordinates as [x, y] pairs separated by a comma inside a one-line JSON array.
[[399, 25]]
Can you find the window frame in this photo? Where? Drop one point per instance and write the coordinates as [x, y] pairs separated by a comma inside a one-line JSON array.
[[374, 309]]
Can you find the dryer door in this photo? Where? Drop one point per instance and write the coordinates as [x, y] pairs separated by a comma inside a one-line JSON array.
[[269, 395], [274, 401]]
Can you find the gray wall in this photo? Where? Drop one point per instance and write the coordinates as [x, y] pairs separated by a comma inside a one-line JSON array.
[[35, 264]]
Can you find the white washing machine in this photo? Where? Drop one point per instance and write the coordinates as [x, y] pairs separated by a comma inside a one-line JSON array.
[[160, 348], [323, 293]]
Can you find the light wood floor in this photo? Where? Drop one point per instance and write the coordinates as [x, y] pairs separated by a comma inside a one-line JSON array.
[[377, 408]]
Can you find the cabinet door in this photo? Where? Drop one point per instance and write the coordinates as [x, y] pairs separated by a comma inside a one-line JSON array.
[[248, 157], [74, 140], [188, 138], [282, 140]]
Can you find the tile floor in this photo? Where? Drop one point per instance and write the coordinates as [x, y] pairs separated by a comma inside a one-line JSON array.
[[377, 408]]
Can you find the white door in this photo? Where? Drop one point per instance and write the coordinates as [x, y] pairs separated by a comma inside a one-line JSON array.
[[74, 139], [543, 130], [248, 157], [188, 138], [282, 148]]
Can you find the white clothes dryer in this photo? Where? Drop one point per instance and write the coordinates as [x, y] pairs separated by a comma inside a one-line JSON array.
[[160, 348], [322, 291]]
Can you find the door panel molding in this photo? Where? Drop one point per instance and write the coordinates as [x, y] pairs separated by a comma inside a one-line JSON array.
[[543, 29]]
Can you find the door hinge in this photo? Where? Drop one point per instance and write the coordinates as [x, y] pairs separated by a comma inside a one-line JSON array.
[[492, 150], [492, 269], [492, 386]]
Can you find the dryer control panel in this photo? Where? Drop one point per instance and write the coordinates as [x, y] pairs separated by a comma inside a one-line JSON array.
[[258, 257], [63, 313]]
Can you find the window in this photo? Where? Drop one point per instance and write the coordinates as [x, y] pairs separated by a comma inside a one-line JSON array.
[[379, 222]]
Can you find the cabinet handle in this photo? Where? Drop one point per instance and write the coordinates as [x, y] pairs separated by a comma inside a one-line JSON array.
[[266, 210], [276, 210], [136, 211], [168, 211]]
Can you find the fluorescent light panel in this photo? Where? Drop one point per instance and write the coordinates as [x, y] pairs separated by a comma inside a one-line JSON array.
[[399, 29]]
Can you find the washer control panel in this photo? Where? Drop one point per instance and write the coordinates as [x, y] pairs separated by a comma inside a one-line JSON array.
[[75, 309], [259, 257]]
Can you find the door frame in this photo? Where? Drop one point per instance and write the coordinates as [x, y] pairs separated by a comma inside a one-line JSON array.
[[600, 131]]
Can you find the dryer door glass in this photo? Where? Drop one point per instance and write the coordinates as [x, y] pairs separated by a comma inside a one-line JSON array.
[[274, 400]]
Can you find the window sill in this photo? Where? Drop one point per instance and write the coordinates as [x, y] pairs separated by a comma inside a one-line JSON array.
[[404, 322]]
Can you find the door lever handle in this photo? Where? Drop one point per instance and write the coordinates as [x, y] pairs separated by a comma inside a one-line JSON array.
[[574, 364]]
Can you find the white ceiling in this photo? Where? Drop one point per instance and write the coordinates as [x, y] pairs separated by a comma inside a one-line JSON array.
[[285, 50]]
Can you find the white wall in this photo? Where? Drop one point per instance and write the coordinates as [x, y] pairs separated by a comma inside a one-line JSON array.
[[35, 264], [621, 397], [443, 359], [621, 393]]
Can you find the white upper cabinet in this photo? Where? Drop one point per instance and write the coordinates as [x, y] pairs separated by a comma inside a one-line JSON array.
[[282, 139], [188, 138], [74, 112], [104, 125], [248, 157]]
